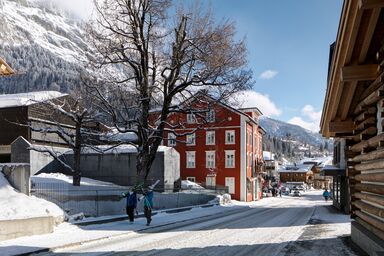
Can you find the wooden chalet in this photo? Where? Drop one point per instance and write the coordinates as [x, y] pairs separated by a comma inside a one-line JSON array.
[[5, 69], [353, 113], [297, 173]]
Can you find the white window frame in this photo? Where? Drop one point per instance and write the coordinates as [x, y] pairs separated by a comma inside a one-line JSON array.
[[231, 134], [227, 154], [191, 118], [188, 163], [207, 138], [191, 139], [210, 116], [210, 162], [193, 179], [171, 139]]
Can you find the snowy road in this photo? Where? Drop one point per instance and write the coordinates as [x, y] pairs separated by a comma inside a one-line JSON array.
[[276, 228]]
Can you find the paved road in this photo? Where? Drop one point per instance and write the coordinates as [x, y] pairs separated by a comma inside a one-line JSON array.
[[263, 230]]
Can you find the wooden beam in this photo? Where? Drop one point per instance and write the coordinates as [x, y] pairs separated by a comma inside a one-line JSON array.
[[372, 143], [369, 122], [359, 72], [348, 96], [369, 34], [371, 198], [369, 112], [342, 126], [371, 99], [370, 4], [373, 155]]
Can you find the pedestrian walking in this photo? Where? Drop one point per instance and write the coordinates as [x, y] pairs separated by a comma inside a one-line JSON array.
[[131, 204], [326, 195], [148, 204]]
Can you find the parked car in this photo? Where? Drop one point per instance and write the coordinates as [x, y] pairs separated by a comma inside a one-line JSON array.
[[296, 193]]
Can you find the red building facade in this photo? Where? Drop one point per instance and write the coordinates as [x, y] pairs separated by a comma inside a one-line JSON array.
[[220, 147]]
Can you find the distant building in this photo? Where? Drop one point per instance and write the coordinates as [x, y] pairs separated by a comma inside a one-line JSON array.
[[225, 151], [297, 173], [320, 181], [271, 164]]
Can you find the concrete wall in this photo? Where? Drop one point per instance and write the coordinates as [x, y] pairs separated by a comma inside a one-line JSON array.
[[25, 227], [18, 176], [39, 162], [120, 168]]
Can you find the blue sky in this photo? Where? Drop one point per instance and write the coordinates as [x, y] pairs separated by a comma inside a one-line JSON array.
[[288, 42]]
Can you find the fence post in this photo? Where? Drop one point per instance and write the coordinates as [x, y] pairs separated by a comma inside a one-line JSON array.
[[97, 203]]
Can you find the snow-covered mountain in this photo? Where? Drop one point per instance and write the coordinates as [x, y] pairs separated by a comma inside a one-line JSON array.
[[280, 129], [43, 43]]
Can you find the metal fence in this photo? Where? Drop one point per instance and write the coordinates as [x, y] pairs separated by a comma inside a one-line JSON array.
[[102, 201]]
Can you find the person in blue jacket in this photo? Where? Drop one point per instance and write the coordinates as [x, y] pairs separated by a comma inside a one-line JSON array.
[[131, 204], [148, 204], [326, 195]]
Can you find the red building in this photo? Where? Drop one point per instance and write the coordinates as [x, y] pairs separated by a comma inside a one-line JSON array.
[[220, 147]]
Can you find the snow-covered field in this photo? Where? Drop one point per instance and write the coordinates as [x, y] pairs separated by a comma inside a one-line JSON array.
[[271, 226]]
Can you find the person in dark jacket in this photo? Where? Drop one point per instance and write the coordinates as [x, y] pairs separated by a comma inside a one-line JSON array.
[[148, 204], [131, 204]]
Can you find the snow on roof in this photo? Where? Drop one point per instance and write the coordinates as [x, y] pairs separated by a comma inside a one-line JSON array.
[[108, 149], [321, 162], [26, 99], [116, 136], [296, 168], [186, 184], [16, 205]]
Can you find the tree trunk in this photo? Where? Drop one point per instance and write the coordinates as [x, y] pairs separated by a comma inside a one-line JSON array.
[[77, 154]]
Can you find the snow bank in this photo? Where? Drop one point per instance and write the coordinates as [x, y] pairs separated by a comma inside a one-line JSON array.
[[186, 184], [25, 99], [62, 179], [16, 205]]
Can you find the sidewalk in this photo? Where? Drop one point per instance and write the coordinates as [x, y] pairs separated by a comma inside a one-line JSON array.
[[326, 234]]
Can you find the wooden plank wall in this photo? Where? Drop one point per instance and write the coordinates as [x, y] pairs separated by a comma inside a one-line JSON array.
[[366, 160]]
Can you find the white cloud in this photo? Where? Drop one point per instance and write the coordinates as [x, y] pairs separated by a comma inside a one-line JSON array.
[[310, 112], [312, 119], [268, 74], [251, 98]]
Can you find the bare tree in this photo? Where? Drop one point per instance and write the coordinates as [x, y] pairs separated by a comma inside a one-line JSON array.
[[74, 125], [150, 60]]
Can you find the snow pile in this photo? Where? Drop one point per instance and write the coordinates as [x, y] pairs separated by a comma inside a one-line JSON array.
[[116, 136], [186, 184], [16, 205], [25, 99], [59, 178]]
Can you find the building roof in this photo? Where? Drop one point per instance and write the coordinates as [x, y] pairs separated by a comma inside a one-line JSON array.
[[238, 111], [26, 99], [353, 65], [5, 69], [304, 168]]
